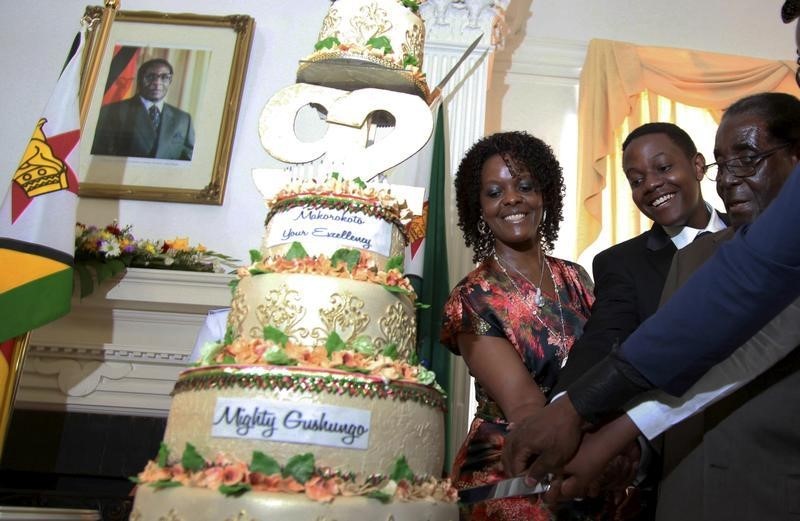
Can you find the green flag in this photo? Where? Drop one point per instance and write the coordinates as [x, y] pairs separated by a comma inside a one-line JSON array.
[[435, 286]]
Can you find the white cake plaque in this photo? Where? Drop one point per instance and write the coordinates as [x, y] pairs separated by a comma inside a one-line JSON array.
[[326, 229], [257, 419]]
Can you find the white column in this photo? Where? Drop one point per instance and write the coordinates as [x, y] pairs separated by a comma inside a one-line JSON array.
[[451, 26]]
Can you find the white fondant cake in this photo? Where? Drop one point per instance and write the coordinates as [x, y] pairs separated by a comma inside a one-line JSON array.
[[369, 43], [337, 213], [313, 406], [184, 504]]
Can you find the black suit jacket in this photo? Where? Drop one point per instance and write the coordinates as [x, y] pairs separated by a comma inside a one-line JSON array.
[[124, 129], [628, 279]]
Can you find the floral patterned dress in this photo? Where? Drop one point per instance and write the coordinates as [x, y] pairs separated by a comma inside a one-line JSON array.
[[486, 302]]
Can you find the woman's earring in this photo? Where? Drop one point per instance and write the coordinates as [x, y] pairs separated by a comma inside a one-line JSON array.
[[544, 216], [483, 228]]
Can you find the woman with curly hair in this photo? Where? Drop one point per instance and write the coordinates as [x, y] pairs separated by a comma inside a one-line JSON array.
[[515, 317]]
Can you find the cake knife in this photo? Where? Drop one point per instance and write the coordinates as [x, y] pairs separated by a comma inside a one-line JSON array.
[[506, 488]]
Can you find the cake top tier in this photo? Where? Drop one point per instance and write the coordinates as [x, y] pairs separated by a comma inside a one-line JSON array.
[[369, 43], [346, 194]]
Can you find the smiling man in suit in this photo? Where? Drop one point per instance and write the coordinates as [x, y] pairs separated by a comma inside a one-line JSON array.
[[144, 125]]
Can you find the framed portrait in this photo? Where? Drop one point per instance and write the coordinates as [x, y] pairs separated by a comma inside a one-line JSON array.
[[162, 115]]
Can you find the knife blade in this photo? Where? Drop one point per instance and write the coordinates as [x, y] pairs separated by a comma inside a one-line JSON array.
[[507, 488]]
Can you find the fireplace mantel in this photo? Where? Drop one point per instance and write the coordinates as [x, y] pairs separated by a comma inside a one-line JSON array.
[[121, 348]]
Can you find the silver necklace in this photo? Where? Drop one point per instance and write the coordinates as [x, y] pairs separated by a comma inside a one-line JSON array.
[[561, 340], [537, 297]]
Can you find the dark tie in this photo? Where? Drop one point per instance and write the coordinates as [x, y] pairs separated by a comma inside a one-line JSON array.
[[701, 234], [155, 116]]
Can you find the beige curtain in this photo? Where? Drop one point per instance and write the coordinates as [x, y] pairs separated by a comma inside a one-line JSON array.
[[620, 88]]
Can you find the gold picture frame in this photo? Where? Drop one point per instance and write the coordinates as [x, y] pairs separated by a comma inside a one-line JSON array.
[[196, 64]]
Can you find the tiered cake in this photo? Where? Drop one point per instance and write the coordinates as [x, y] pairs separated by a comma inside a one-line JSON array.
[[369, 43], [313, 407]]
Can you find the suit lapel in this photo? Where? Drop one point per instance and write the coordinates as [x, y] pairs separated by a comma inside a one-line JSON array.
[[659, 250]]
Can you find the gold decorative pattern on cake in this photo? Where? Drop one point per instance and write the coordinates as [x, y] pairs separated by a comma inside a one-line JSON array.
[[415, 42], [372, 21], [329, 23], [281, 308], [239, 310], [345, 313], [397, 324]]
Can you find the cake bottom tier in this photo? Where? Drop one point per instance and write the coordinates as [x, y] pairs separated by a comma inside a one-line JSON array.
[[198, 504]]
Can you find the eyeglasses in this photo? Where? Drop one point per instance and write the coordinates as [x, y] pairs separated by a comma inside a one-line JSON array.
[[164, 77], [742, 166]]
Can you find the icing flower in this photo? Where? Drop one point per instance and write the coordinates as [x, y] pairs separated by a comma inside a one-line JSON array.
[[321, 489]]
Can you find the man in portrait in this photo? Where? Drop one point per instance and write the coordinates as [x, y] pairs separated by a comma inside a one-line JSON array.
[[144, 125]]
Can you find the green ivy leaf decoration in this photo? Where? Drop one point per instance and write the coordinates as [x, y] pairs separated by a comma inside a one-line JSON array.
[[300, 467], [357, 180], [363, 345], [328, 43], [380, 42], [334, 343], [191, 459], [163, 454], [228, 360], [264, 464], [277, 356], [335, 175], [235, 490], [426, 376], [276, 335], [233, 284], [401, 470], [413, 358], [230, 335], [395, 263], [390, 351], [410, 59], [165, 483], [255, 256], [296, 251], [420, 305], [135, 479], [411, 4], [383, 497], [347, 255]]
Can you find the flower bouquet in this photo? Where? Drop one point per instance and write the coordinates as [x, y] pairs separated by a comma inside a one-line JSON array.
[[111, 249]]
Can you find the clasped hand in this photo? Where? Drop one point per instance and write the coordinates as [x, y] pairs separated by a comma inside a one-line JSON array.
[[551, 443]]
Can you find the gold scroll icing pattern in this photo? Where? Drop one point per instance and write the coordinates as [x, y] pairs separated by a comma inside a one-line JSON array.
[[372, 21], [397, 327], [239, 310], [415, 42], [345, 313], [281, 308], [329, 24]]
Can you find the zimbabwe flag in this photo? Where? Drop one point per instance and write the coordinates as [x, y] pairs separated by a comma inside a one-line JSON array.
[[37, 217]]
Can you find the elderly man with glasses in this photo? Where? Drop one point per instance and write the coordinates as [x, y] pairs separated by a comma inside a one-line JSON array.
[[145, 125], [751, 282]]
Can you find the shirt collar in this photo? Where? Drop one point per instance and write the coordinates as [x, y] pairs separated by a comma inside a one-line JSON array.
[[147, 104], [686, 234]]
